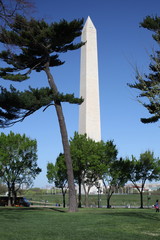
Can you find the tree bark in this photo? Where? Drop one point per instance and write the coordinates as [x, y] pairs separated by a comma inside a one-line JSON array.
[[13, 194], [9, 194], [86, 194], [109, 195], [64, 199], [141, 197], [65, 142], [79, 194]]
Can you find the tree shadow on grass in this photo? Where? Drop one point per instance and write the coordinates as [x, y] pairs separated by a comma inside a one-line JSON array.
[[137, 214], [9, 209]]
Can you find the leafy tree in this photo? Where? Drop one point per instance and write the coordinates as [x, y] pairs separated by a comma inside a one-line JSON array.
[[147, 167], [149, 84], [111, 176], [18, 158], [38, 45], [113, 179], [90, 161], [86, 163], [58, 174]]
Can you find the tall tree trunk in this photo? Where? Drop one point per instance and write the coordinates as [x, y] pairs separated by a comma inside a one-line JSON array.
[[64, 199], [141, 198], [14, 194], [9, 194], [108, 194], [141, 193], [86, 194], [108, 198], [65, 142], [86, 199], [79, 194]]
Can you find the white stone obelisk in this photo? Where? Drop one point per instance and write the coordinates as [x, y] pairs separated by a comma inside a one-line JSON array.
[[89, 113]]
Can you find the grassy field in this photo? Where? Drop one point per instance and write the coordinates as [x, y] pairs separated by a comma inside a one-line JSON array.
[[116, 200], [90, 224]]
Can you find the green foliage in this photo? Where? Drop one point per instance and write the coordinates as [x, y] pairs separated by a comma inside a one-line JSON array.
[[148, 84], [37, 44], [91, 159], [18, 161], [57, 173], [147, 167], [152, 24], [86, 154], [16, 105]]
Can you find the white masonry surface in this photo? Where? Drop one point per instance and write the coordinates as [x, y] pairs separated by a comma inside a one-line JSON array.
[[89, 113]]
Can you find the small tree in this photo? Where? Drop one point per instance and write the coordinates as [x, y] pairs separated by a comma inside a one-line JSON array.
[[110, 174], [38, 45], [58, 174], [18, 158], [149, 84], [139, 171], [87, 167], [91, 161], [113, 179]]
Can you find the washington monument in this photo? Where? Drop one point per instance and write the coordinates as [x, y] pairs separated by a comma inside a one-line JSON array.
[[89, 112]]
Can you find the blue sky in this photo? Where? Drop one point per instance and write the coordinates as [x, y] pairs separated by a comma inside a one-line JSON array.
[[122, 45]]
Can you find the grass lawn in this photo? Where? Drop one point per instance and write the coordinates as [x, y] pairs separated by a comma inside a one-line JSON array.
[[87, 224], [116, 200]]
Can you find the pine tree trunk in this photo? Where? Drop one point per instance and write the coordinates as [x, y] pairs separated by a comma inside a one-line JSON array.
[[65, 142]]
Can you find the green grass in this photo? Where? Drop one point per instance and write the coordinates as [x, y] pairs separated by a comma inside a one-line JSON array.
[[116, 200], [87, 224]]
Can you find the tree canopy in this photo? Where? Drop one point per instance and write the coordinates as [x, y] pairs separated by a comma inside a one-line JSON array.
[[18, 161], [91, 161], [38, 44], [57, 174], [149, 84], [146, 168]]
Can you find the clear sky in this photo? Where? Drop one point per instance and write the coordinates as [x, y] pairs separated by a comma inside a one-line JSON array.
[[122, 45]]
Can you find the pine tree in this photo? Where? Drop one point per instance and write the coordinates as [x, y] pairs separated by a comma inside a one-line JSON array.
[[149, 84], [38, 46]]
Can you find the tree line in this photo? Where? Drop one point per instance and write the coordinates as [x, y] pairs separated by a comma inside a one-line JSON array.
[[95, 162]]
